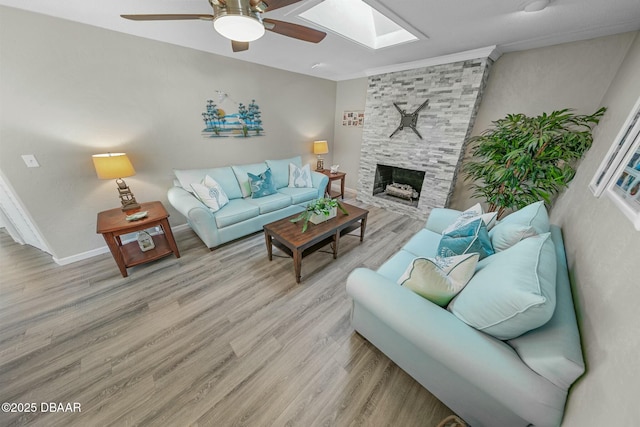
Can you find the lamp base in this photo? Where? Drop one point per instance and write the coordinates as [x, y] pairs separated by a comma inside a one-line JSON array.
[[130, 207], [126, 196]]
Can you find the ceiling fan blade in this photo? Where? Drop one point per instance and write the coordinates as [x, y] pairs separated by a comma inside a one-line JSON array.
[[237, 46], [296, 31], [277, 4], [204, 17]]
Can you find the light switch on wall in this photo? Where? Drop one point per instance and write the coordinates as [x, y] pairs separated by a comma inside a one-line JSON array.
[[30, 161]]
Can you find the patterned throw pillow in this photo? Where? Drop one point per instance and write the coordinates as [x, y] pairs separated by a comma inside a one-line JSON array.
[[469, 238], [300, 177], [262, 185], [470, 214], [210, 193], [439, 279]]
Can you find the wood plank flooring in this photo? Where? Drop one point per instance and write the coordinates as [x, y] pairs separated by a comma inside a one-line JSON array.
[[214, 338]]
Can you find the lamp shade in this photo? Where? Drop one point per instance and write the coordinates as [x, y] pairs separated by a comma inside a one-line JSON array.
[[113, 165], [320, 147]]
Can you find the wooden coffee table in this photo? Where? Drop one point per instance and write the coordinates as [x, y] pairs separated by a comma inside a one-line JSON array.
[[288, 236]]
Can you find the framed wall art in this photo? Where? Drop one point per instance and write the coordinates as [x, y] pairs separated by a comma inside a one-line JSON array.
[[353, 118], [624, 189], [617, 153]]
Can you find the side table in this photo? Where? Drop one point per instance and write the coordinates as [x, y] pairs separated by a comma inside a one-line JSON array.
[[112, 224], [334, 177]]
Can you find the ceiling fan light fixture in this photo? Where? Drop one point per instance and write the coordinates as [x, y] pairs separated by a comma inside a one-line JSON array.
[[240, 28]]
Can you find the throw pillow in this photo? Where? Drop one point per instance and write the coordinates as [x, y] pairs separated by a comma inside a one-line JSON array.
[[261, 185], [439, 279], [210, 193], [470, 237], [534, 215], [300, 177], [508, 235], [470, 214], [512, 294]]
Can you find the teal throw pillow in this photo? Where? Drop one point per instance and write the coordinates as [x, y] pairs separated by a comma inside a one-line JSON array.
[[262, 185], [439, 279], [468, 238]]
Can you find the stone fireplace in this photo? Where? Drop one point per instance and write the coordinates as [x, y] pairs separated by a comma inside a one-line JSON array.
[[454, 91], [398, 184]]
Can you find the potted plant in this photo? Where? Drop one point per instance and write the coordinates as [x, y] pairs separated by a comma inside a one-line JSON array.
[[319, 211], [525, 159]]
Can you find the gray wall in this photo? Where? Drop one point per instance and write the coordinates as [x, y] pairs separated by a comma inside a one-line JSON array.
[[604, 252], [70, 90], [350, 96]]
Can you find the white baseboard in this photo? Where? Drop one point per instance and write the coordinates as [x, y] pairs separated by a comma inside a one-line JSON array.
[[102, 250]]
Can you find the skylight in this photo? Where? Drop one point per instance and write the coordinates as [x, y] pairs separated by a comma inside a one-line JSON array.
[[359, 22]]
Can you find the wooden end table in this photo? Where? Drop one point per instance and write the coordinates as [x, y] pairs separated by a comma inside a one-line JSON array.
[[289, 238], [334, 177], [112, 224]]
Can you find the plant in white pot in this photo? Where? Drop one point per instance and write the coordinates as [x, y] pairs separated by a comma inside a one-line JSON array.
[[319, 211]]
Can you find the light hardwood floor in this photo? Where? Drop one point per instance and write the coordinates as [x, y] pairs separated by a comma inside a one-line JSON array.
[[215, 338]]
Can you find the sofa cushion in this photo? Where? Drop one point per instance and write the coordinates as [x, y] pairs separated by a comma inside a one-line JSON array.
[[300, 177], [439, 279], [468, 238], [514, 293], [241, 172], [534, 215], [299, 195], [471, 214], [280, 170], [262, 185], [210, 193], [395, 266], [237, 210], [508, 235], [423, 244], [271, 202]]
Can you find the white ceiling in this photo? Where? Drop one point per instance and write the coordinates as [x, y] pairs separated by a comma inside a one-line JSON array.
[[450, 27]]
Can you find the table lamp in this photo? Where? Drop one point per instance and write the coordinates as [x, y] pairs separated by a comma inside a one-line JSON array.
[[117, 166], [320, 148]]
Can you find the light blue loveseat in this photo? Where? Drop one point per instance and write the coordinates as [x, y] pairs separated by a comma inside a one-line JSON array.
[[488, 382], [243, 215]]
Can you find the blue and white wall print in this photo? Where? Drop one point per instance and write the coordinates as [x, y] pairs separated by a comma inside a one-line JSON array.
[[245, 123]]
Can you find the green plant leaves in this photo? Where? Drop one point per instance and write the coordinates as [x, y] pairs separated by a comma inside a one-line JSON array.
[[522, 159]]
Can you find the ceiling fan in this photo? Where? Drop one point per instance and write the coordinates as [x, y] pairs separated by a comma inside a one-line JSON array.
[[241, 21]]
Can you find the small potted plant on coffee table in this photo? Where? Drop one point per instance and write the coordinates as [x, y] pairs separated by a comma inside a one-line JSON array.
[[318, 211]]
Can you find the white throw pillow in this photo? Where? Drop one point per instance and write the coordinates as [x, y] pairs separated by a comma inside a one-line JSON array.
[[471, 214], [300, 177], [508, 235], [210, 193], [439, 279]]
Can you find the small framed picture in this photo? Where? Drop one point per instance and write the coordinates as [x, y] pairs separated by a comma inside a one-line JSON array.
[[353, 118]]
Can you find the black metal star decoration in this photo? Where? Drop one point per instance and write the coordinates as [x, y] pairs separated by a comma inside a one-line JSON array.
[[409, 120]]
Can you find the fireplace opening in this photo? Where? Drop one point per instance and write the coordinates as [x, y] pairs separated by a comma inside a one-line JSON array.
[[398, 184]]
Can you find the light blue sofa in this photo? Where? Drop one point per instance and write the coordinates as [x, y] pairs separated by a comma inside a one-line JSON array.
[[242, 215], [488, 382]]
